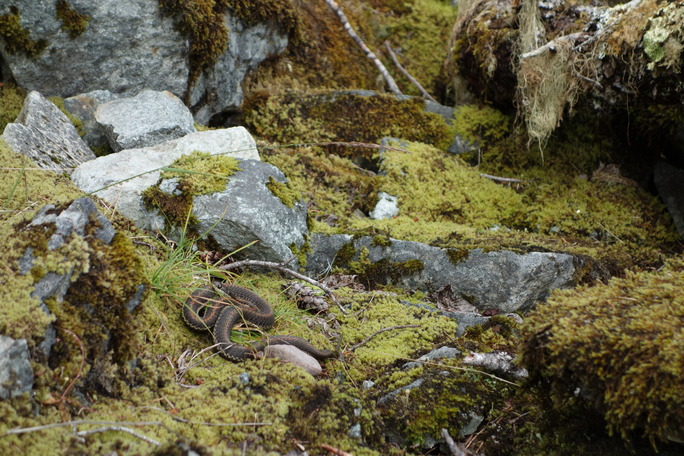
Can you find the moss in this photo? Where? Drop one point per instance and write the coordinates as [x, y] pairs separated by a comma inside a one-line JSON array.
[[197, 173], [481, 124], [617, 343], [16, 38], [73, 22], [282, 12], [11, 102], [202, 23], [309, 118], [75, 121], [284, 192], [457, 255], [380, 240]]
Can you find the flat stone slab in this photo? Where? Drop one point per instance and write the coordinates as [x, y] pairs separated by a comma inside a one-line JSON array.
[[144, 120]]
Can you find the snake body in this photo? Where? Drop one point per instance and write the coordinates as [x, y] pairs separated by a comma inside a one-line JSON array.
[[205, 309]]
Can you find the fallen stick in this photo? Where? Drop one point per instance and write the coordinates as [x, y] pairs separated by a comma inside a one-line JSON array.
[[367, 339], [120, 429], [405, 72], [383, 71], [335, 451]]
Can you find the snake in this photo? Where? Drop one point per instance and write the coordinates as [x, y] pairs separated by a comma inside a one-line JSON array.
[[205, 309]]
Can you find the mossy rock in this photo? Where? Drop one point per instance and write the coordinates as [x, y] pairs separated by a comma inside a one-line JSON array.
[[620, 344]]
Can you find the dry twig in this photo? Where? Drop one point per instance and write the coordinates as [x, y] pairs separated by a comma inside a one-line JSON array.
[[335, 451], [367, 339], [345, 23], [405, 72], [120, 429]]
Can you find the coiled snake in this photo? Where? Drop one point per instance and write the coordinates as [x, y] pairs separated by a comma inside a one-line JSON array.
[[205, 309]]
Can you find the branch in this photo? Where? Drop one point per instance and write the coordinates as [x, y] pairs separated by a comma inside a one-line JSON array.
[[281, 268], [502, 179], [367, 339], [345, 23], [453, 448], [405, 72], [120, 429], [333, 450], [79, 422]]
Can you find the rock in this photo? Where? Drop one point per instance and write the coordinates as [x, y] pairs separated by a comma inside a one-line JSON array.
[[128, 45], [97, 174], [220, 90], [144, 120], [84, 106], [670, 184], [16, 375], [91, 279], [293, 355], [501, 280], [44, 134], [385, 208], [247, 210]]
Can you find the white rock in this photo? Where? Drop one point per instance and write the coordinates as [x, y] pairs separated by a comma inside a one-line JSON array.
[[293, 355], [386, 208]]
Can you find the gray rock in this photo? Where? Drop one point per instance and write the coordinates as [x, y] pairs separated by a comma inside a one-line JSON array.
[[16, 375], [475, 420], [385, 208], [144, 120], [44, 134], [389, 397], [501, 280], [84, 106], [220, 89], [293, 355], [670, 184], [111, 171], [247, 210], [80, 218], [126, 45], [129, 45]]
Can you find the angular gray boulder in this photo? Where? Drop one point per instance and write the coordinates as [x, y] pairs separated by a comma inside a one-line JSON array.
[[16, 375], [46, 135], [247, 210], [144, 120], [502, 280], [128, 45]]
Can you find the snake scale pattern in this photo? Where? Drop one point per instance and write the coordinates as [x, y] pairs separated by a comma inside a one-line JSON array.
[[206, 308]]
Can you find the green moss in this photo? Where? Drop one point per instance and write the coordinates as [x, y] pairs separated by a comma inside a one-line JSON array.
[[202, 23], [16, 38], [284, 192], [73, 22], [75, 121], [197, 173], [380, 240], [618, 343], [11, 102], [282, 12], [481, 124], [295, 118], [457, 255]]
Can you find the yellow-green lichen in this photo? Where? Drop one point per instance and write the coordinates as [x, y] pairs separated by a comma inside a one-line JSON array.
[[18, 39], [73, 22], [618, 343]]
